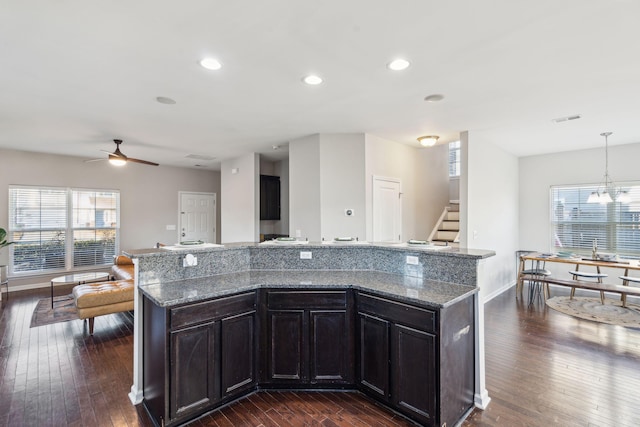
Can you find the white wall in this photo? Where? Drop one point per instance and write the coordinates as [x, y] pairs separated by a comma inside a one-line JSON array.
[[423, 173], [240, 212], [148, 195], [491, 208], [304, 187], [281, 169], [538, 173], [342, 185]]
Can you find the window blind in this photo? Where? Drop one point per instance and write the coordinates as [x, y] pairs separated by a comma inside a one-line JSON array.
[[576, 224], [94, 227], [57, 229], [37, 226], [454, 158]]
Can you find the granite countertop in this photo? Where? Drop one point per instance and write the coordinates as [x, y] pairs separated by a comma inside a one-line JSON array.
[[428, 293], [404, 247]]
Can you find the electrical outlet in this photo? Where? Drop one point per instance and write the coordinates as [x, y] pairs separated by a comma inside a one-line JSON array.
[[305, 255], [171, 227], [413, 260], [189, 261]]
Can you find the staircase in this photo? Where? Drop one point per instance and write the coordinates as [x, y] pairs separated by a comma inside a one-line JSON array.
[[447, 229]]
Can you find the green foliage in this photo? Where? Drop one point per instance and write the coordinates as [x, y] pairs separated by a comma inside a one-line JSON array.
[[3, 238]]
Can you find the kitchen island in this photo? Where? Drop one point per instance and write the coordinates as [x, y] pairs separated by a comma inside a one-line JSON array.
[[372, 318]]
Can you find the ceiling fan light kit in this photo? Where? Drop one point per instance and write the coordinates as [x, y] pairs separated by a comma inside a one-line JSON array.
[[118, 159]]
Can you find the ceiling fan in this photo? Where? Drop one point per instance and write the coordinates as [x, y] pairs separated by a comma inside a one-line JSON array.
[[118, 159]]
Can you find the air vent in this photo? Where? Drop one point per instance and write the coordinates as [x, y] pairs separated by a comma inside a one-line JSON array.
[[199, 157], [567, 118]]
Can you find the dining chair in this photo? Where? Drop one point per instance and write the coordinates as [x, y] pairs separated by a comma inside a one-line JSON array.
[[532, 274]]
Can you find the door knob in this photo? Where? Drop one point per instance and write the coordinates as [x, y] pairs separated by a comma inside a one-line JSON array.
[[183, 234]]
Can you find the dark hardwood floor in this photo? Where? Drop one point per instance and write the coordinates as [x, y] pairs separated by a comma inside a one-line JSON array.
[[543, 368]]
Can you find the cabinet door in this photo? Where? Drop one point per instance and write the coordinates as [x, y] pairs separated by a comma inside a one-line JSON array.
[[373, 355], [237, 342], [287, 346], [193, 368], [330, 347], [413, 373], [269, 197]]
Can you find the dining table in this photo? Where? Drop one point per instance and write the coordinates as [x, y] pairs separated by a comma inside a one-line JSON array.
[[577, 261]]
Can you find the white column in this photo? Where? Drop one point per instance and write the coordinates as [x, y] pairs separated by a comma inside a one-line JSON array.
[[135, 395], [481, 397]]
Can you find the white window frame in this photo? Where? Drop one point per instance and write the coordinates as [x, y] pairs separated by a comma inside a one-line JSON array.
[[454, 159], [68, 229], [575, 224]]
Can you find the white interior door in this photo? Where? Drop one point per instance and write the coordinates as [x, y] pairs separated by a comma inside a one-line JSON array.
[[197, 217], [387, 210]]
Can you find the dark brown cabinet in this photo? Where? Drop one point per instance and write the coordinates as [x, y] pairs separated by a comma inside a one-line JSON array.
[[209, 349], [269, 197], [397, 355], [416, 360], [309, 338], [373, 366], [193, 367], [413, 369]]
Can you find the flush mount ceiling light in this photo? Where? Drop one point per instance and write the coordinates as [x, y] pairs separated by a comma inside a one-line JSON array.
[[428, 140], [211, 64], [608, 186], [312, 79], [398, 64], [434, 98]]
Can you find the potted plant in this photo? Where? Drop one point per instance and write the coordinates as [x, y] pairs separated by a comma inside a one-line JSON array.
[[3, 243]]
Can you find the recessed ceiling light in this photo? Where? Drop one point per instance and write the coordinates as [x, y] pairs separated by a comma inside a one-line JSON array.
[[312, 80], [434, 98], [398, 64], [211, 64], [165, 100]]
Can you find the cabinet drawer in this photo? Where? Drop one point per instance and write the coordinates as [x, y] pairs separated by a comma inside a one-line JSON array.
[[211, 310], [416, 317], [317, 300]]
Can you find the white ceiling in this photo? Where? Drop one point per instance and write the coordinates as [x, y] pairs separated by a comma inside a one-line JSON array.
[[76, 74]]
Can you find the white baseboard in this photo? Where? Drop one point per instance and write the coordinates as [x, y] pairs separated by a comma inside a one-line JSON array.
[[497, 292], [16, 288]]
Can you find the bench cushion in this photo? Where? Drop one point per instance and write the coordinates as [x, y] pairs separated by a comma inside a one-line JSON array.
[[103, 293]]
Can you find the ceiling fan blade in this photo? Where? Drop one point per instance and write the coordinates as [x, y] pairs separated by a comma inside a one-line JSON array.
[[94, 160], [144, 162]]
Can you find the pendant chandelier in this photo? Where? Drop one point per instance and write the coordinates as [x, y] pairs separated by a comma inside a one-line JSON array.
[[608, 186]]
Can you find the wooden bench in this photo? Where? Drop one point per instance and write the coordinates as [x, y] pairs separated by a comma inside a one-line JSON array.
[[602, 287]]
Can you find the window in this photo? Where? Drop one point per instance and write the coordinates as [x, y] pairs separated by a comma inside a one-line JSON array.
[[60, 229], [454, 159], [576, 223]]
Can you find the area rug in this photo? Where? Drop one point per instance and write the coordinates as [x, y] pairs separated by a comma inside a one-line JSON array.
[[610, 312], [63, 311]]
